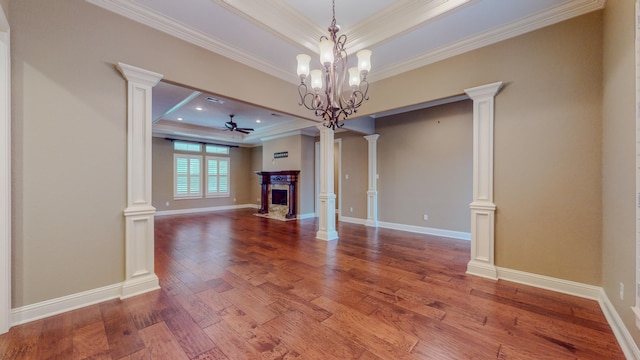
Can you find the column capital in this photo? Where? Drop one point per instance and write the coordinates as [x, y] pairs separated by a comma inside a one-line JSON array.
[[139, 75], [484, 91], [372, 138]]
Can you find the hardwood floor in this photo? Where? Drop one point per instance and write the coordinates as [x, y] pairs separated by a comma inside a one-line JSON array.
[[238, 286]]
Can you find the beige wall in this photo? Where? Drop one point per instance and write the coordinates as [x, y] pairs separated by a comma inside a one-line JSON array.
[[256, 165], [292, 144], [241, 180], [68, 154], [434, 145], [4, 4], [619, 147], [307, 175], [354, 164]]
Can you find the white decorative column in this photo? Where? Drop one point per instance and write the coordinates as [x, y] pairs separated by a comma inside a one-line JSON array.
[[372, 170], [482, 208], [326, 197], [139, 269]]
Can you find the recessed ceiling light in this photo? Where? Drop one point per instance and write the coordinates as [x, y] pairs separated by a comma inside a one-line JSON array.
[[179, 119], [258, 121], [199, 108]]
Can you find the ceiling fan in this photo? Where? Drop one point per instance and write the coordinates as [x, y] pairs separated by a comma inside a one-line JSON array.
[[232, 126]]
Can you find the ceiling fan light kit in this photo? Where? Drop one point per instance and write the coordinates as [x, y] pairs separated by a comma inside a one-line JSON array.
[[327, 97], [232, 126]]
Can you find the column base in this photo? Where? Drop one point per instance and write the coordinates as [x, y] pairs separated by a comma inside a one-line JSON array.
[[482, 269], [139, 285], [371, 223], [327, 235]]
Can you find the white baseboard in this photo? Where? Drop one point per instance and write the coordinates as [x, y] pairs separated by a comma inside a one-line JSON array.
[[628, 345], [352, 220], [545, 282], [139, 285], [306, 216], [25, 314], [622, 334], [411, 228], [207, 209], [426, 230]]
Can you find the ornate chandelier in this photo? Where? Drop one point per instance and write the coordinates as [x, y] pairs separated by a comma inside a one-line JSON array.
[[329, 98]]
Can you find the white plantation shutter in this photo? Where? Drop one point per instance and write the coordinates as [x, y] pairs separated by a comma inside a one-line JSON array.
[[217, 149], [188, 176], [217, 176], [187, 146]]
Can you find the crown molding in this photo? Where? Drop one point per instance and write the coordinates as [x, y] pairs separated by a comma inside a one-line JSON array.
[[282, 129], [531, 23], [143, 15], [268, 14], [398, 19]]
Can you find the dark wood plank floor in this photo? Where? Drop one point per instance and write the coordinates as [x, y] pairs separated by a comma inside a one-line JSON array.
[[238, 286]]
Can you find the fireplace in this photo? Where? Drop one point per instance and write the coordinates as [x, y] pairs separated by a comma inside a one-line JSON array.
[[278, 197]]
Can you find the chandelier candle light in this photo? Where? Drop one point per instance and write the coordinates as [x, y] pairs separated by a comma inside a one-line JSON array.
[[331, 104]]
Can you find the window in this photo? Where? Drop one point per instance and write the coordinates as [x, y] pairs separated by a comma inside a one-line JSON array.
[[217, 176], [187, 146], [187, 176], [217, 149]]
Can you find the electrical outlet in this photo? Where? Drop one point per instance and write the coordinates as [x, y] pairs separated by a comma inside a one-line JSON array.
[[166, 204], [621, 291], [425, 217], [234, 199], [350, 209]]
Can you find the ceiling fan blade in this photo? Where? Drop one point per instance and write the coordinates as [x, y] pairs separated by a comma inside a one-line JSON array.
[[241, 130], [245, 129]]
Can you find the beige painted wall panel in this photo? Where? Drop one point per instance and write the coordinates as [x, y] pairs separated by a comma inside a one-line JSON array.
[[619, 147], [307, 175], [5, 7], [291, 144], [354, 163], [256, 165], [434, 145], [548, 152], [241, 179], [68, 156]]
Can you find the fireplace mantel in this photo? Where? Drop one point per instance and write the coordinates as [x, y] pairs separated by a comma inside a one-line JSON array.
[[287, 177]]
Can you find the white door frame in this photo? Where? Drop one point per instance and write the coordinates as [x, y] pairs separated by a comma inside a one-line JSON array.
[[5, 174]]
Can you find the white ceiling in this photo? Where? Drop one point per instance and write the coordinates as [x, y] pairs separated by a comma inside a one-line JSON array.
[[268, 34]]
